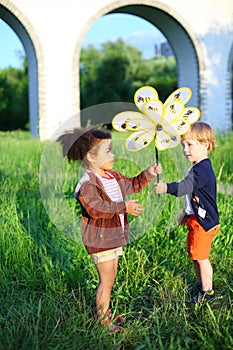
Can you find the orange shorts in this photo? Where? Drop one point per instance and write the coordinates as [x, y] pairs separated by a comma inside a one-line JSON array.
[[199, 240]]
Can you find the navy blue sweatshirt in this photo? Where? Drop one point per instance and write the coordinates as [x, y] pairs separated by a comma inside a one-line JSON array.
[[201, 183]]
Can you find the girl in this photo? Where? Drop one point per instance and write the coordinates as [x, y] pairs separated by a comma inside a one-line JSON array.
[[101, 193]]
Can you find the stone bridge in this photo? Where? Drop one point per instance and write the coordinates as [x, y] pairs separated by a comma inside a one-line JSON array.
[[200, 33]]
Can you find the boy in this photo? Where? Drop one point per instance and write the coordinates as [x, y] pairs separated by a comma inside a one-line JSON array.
[[200, 212]]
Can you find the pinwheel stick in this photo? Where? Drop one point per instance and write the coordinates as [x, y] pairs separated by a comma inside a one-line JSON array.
[[157, 160]]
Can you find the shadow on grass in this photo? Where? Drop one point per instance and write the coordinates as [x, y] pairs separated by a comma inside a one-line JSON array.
[[56, 254]]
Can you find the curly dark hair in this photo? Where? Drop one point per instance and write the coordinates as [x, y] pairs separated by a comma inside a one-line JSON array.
[[78, 142]]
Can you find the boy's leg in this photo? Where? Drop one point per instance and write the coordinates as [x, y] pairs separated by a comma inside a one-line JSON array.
[[206, 274], [197, 286], [107, 271], [197, 270]]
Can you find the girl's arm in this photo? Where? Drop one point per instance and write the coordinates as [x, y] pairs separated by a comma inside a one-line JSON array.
[[137, 183], [97, 207], [92, 200]]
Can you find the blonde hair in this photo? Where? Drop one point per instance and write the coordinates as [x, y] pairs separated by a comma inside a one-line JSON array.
[[202, 132]]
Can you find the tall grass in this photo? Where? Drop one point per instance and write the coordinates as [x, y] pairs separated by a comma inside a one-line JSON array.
[[48, 281]]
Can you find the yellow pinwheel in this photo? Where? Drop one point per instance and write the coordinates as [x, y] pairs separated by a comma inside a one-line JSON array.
[[161, 122]]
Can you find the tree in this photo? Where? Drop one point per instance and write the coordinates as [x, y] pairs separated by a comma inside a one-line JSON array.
[[14, 110], [110, 79], [114, 74], [113, 83], [164, 78]]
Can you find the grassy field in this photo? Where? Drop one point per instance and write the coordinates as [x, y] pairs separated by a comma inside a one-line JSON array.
[[48, 281]]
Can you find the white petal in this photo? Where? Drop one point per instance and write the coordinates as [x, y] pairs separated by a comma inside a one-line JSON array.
[[175, 140], [140, 124], [179, 126], [139, 140], [164, 141], [154, 110], [182, 94], [173, 110], [128, 121], [144, 95], [191, 114]]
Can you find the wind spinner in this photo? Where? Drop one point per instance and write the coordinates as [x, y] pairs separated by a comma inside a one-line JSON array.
[[160, 122]]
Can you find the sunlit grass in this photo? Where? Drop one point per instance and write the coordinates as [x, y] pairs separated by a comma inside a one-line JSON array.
[[48, 281]]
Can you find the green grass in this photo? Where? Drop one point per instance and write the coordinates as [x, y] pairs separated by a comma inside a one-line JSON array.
[[48, 281]]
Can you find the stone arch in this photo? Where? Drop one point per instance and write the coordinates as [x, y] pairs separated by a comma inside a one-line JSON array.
[[187, 50], [229, 81], [23, 28]]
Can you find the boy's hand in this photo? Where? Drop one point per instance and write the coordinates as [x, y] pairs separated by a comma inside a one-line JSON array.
[[133, 207], [155, 169], [182, 219], [160, 187]]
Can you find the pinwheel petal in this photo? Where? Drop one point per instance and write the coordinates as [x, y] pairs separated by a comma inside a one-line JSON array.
[[164, 140], [140, 124], [182, 94], [190, 114], [154, 110], [162, 122], [175, 140], [178, 126], [139, 140], [173, 110], [144, 95], [182, 123], [131, 121]]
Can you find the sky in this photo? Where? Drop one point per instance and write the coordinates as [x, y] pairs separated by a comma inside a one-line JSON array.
[[10, 46], [132, 30]]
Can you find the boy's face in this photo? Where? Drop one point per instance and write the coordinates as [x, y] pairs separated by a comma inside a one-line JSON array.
[[194, 150], [104, 159]]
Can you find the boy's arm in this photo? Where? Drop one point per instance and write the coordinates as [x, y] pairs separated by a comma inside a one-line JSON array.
[[181, 188], [177, 189], [182, 219], [196, 179]]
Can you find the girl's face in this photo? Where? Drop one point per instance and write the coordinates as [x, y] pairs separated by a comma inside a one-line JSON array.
[[194, 150], [104, 159]]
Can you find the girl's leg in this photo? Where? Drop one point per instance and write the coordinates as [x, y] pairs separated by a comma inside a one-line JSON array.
[[206, 274], [107, 271]]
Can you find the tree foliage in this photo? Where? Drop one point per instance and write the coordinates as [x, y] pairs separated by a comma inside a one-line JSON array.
[[111, 74], [115, 72], [14, 110]]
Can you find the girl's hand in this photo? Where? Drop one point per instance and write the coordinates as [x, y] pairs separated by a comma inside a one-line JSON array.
[[133, 207], [160, 187], [155, 169]]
